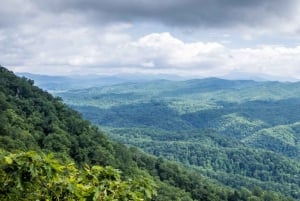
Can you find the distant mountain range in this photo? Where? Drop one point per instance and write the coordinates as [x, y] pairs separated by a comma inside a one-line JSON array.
[[63, 83], [257, 77]]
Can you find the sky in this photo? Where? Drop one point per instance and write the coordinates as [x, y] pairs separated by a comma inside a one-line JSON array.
[[199, 38]]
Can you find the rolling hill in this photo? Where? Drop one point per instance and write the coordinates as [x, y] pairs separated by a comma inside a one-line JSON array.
[[52, 153], [238, 132]]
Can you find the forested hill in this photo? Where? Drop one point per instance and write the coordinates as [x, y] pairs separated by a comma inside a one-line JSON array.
[[241, 133], [33, 120]]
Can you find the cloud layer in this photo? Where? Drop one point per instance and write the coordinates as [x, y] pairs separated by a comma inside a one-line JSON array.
[[85, 51], [209, 13], [275, 14], [91, 36]]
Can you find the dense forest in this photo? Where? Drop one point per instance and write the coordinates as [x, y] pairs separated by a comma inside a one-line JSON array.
[[49, 152], [239, 133]]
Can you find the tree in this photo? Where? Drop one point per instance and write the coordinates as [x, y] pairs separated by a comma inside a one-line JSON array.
[[33, 176]]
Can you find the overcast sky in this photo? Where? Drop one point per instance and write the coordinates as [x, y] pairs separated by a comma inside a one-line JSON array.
[[182, 37]]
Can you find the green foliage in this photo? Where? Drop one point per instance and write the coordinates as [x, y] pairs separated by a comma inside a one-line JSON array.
[[241, 133], [32, 176], [188, 182], [32, 119]]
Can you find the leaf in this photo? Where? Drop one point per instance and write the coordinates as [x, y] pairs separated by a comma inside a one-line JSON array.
[[8, 160], [19, 184], [148, 193]]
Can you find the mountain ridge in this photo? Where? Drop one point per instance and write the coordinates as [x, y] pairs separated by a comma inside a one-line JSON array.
[[33, 120], [171, 116]]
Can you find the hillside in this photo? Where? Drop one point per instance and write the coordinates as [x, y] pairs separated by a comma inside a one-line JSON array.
[[241, 133], [33, 120]]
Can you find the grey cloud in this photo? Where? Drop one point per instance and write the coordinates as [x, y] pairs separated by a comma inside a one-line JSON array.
[[51, 39], [15, 12], [193, 13], [206, 13]]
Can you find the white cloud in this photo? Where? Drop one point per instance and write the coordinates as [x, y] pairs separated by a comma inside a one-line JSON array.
[[110, 49], [270, 60], [166, 51], [63, 37]]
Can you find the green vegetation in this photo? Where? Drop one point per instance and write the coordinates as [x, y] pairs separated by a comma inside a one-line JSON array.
[[32, 176], [48, 152], [240, 133]]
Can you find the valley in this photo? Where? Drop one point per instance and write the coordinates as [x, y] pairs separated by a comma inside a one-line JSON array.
[[240, 133]]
